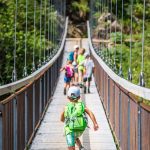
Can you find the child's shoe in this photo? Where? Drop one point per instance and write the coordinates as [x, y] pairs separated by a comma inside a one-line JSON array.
[[82, 148], [84, 89], [81, 85], [64, 91]]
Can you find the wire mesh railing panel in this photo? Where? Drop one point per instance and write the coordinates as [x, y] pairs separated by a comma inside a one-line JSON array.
[[105, 91], [37, 101], [145, 127], [116, 111], [21, 121], [111, 112], [29, 111], [133, 125], [124, 121], [8, 126]]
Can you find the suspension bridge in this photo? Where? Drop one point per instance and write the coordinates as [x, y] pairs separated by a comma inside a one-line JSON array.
[[30, 107]]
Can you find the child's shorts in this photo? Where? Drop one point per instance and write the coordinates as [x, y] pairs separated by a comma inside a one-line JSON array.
[[87, 79], [71, 138], [67, 79]]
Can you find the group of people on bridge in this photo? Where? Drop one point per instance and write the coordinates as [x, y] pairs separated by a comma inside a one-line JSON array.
[[78, 71]]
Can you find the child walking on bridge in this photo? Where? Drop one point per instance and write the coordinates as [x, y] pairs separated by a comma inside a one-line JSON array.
[[69, 72], [75, 119], [89, 70]]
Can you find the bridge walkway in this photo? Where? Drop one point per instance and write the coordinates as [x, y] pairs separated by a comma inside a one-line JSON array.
[[50, 133]]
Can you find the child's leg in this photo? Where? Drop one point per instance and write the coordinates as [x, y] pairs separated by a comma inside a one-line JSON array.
[[80, 76], [65, 86], [76, 77], [71, 148], [84, 82], [88, 84], [70, 141], [78, 142]]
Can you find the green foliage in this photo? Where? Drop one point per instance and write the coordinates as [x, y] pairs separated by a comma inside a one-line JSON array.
[[7, 34], [81, 6]]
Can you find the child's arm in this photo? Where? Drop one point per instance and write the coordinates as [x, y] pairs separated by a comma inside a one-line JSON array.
[[62, 118], [91, 115], [61, 69], [93, 69]]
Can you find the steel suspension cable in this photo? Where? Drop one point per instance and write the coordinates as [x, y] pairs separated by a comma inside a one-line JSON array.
[[52, 39], [110, 31], [107, 11], [44, 33], [142, 82], [52, 28], [33, 58], [39, 65], [48, 33], [26, 34], [103, 11], [14, 73], [120, 68], [131, 32], [114, 67]]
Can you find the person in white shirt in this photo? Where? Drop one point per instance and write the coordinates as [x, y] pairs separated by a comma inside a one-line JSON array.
[[89, 70]]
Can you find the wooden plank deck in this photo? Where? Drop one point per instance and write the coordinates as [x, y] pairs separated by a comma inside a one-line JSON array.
[[50, 134]]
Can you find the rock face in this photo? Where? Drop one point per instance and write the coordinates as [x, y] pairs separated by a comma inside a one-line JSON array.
[[76, 31], [106, 22], [77, 20]]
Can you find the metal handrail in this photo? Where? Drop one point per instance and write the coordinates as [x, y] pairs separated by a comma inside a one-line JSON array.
[[130, 87], [12, 87]]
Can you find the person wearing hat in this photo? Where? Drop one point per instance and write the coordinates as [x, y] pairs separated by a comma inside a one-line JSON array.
[[74, 118], [89, 69], [73, 57], [80, 61]]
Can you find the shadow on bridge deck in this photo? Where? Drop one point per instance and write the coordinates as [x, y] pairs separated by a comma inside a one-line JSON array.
[[50, 134]]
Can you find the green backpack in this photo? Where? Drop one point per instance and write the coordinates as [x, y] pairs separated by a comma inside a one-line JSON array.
[[75, 116]]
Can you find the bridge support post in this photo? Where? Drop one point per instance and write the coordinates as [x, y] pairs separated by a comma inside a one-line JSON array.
[[114, 103], [108, 104], [128, 123], [33, 106], [1, 128], [139, 127], [40, 104], [26, 118], [120, 117], [15, 123]]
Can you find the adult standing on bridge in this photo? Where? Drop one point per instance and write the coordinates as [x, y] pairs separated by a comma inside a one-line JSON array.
[[73, 55]]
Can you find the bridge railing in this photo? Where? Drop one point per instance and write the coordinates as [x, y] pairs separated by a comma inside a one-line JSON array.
[[128, 117], [22, 112]]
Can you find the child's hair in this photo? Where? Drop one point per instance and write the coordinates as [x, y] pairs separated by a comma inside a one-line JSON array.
[[69, 62], [87, 55], [82, 51]]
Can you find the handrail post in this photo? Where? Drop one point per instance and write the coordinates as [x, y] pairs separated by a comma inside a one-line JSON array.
[[1, 127], [40, 104], [26, 117], [33, 106], [139, 127], [128, 123], [120, 117], [114, 102], [108, 104], [15, 132]]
